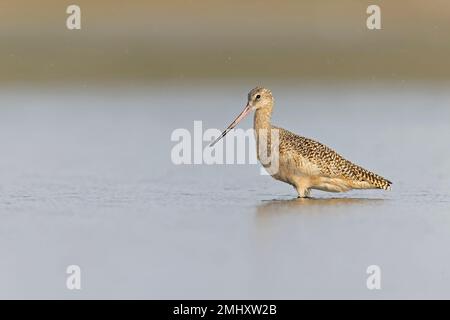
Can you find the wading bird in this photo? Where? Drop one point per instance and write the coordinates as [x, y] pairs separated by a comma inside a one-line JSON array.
[[303, 163]]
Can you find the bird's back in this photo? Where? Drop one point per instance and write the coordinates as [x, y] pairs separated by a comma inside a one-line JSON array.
[[328, 162]]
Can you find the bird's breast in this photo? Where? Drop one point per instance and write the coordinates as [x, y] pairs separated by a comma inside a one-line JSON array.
[[292, 167]]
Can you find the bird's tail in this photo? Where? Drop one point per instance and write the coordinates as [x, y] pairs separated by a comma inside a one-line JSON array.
[[377, 181]]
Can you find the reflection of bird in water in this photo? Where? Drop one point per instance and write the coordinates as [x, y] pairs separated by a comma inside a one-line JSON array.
[[303, 163], [276, 206]]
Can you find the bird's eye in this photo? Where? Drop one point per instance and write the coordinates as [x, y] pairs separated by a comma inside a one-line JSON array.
[[258, 96]]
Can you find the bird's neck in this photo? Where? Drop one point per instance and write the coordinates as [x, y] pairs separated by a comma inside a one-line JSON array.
[[262, 119], [262, 130]]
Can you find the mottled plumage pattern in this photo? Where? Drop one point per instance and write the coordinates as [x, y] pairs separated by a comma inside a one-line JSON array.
[[329, 162]]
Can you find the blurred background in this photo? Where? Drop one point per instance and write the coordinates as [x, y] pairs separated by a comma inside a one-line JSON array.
[[148, 41]]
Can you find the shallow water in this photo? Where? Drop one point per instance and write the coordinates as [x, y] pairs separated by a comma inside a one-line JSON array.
[[86, 178]]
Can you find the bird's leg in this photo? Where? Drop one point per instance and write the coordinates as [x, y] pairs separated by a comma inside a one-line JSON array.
[[302, 185], [303, 192]]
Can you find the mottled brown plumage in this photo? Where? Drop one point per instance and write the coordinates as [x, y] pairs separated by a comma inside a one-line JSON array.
[[304, 163], [330, 163]]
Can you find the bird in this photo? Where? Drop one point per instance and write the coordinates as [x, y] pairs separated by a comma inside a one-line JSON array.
[[304, 163]]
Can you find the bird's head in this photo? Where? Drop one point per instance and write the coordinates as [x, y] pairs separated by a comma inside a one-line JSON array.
[[258, 98]]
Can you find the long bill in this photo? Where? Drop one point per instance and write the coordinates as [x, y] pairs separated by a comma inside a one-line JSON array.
[[241, 116]]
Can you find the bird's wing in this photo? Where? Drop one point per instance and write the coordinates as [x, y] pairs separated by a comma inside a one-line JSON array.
[[328, 162]]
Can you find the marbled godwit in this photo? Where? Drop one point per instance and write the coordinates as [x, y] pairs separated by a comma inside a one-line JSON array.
[[304, 163]]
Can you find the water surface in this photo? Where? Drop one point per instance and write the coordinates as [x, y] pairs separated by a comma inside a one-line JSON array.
[[86, 178]]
